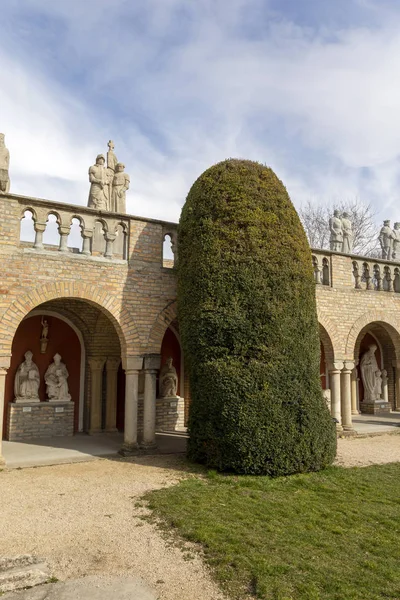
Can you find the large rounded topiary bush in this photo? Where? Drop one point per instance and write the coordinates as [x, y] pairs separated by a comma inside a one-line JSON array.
[[247, 314]]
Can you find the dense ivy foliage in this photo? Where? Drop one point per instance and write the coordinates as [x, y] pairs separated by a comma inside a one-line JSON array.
[[247, 314]]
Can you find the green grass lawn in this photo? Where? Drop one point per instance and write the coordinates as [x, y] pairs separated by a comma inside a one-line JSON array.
[[334, 534]]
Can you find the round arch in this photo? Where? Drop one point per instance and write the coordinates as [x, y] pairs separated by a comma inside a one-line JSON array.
[[106, 303], [164, 319], [390, 324]]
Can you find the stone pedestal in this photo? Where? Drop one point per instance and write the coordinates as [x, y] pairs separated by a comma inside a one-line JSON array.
[[39, 419], [170, 414], [375, 408]]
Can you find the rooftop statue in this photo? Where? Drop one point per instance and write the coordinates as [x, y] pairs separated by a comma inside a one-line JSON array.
[[336, 228], [4, 166], [386, 238], [347, 234], [396, 241], [120, 185], [109, 184], [99, 194]]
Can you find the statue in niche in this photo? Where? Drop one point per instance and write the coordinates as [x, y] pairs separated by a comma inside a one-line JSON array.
[[44, 340], [336, 228], [27, 380], [4, 167], [371, 375], [120, 185], [386, 238], [56, 381], [396, 241], [168, 380], [99, 194], [347, 234]]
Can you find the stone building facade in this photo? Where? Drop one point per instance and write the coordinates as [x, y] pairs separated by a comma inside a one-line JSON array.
[[109, 298]]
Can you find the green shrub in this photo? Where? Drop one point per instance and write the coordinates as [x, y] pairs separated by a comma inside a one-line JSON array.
[[247, 314]]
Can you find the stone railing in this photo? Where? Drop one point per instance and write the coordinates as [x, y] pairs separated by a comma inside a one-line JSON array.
[[335, 269]]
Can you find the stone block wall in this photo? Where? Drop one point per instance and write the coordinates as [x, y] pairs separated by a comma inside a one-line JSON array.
[[39, 420]]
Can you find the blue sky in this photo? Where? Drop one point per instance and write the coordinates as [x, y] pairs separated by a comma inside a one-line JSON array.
[[308, 87]]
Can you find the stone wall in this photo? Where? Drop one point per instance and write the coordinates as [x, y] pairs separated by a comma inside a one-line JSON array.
[[170, 414], [39, 420]]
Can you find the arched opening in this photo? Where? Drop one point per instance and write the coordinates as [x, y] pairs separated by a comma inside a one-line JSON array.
[[51, 235], [168, 255], [171, 412], [75, 240], [375, 357], [27, 231]]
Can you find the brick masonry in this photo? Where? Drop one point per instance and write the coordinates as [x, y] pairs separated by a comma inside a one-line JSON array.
[[39, 420]]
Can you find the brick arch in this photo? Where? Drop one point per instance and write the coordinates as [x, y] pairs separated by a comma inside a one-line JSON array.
[[106, 303], [160, 325], [329, 337], [387, 321]]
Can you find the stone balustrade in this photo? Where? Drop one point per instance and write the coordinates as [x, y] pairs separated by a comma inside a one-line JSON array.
[[335, 269]]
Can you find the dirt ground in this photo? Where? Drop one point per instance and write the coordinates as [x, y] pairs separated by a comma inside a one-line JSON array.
[[84, 518]]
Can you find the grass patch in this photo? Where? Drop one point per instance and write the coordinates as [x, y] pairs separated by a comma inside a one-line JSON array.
[[333, 534]]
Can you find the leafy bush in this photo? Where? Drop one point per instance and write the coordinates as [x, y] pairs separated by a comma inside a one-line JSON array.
[[247, 314]]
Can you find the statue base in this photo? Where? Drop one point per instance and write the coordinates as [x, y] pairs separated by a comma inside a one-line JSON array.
[[28, 420], [170, 414], [20, 400], [375, 408], [58, 400]]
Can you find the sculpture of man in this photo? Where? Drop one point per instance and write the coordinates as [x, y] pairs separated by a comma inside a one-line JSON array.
[[396, 241], [336, 228], [112, 162], [120, 185], [27, 380], [168, 380], [4, 166], [386, 238], [56, 381], [99, 189], [347, 234], [45, 329], [371, 375]]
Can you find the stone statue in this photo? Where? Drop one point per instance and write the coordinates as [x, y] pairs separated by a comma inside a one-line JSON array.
[[396, 241], [347, 234], [45, 329], [56, 381], [386, 238], [168, 380], [336, 228], [27, 381], [120, 185], [4, 166], [371, 375], [112, 162], [99, 194]]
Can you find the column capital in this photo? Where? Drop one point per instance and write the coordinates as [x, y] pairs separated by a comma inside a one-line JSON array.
[[112, 363], [96, 364], [337, 365], [133, 363], [39, 226], [5, 361], [152, 362], [348, 365], [64, 229]]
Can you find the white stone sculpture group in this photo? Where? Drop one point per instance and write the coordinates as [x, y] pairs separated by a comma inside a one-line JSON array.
[[389, 240], [4, 167], [341, 239], [27, 381], [168, 380], [371, 375], [109, 184]]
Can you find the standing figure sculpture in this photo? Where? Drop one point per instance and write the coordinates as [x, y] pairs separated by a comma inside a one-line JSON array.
[[396, 241], [99, 194], [4, 167], [347, 234], [27, 380], [112, 162], [371, 375], [56, 381], [386, 238], [168, 380], [120, 185], [336, 228]]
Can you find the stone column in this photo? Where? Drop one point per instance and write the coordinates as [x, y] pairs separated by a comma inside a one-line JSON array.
[[64, 231], [4, 364], [87, 235], [132, 368], [334, 378], [39, 230], [396, 365], [112, 365], [345, 392], [354, 391], [96, 370], [151, 366], [110, 239]]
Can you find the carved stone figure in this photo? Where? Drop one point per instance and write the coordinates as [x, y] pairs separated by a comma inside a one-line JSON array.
[[112, 162], [168, 380], [347, 234], [56, 381], [386, 238], [371, 375], [99, 189], [4, 167], [336, 228], [45, 329], [120, 185], [396, 241], [27, 381]]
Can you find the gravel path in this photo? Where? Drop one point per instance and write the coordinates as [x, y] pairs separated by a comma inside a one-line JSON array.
[[84, 520]]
